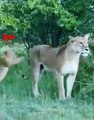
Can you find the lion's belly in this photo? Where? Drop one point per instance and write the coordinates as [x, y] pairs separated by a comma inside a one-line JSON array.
[[48, 68], [69, 68]]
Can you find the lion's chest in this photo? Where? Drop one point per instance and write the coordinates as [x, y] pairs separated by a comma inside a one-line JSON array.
[[69, 67]]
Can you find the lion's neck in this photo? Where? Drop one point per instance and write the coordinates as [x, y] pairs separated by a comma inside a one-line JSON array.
[[70, 55], [69, 62]]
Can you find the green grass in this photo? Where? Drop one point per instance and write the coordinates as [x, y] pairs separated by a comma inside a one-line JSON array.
[[17, 102], [48, 109]]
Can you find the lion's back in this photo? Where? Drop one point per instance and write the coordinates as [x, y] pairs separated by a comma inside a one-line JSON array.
[[45, 54]]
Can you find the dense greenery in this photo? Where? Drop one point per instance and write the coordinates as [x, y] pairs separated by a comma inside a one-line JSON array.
[[46, 21]]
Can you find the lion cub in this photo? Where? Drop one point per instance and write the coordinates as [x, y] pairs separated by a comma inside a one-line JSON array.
[[60, 61], [7, 59]]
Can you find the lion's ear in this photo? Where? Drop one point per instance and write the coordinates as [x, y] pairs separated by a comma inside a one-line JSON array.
[[70, 37], [86, 37]]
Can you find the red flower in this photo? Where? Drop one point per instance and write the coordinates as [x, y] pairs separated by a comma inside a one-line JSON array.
[[5, 37], [11, 37]]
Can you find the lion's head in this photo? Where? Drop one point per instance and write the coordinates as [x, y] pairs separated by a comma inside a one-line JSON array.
[[79, 45], [9, 58]]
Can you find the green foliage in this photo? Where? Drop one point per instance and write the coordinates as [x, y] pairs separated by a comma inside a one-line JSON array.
[[50, 11], [36, 17], [83, 11], [51, 21]]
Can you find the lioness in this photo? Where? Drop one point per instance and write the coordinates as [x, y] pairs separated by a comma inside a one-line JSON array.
[[60, 61], [7, 59]]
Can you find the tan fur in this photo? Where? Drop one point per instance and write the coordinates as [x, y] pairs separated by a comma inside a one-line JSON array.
[[60, 61], [7, 59]]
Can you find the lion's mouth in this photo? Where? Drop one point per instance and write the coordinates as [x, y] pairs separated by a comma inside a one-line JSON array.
[[85, 53]]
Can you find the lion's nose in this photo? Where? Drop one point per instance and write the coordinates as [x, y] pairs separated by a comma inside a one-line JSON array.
[[87, 49]]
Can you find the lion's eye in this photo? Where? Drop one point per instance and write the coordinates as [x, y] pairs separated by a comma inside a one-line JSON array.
[[81, 43]]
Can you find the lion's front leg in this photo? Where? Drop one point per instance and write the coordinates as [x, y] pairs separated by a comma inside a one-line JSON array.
[[70, 83], [60, 83], [3, 72]]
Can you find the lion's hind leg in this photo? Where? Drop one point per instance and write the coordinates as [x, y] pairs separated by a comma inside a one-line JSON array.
[[35, 78]]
